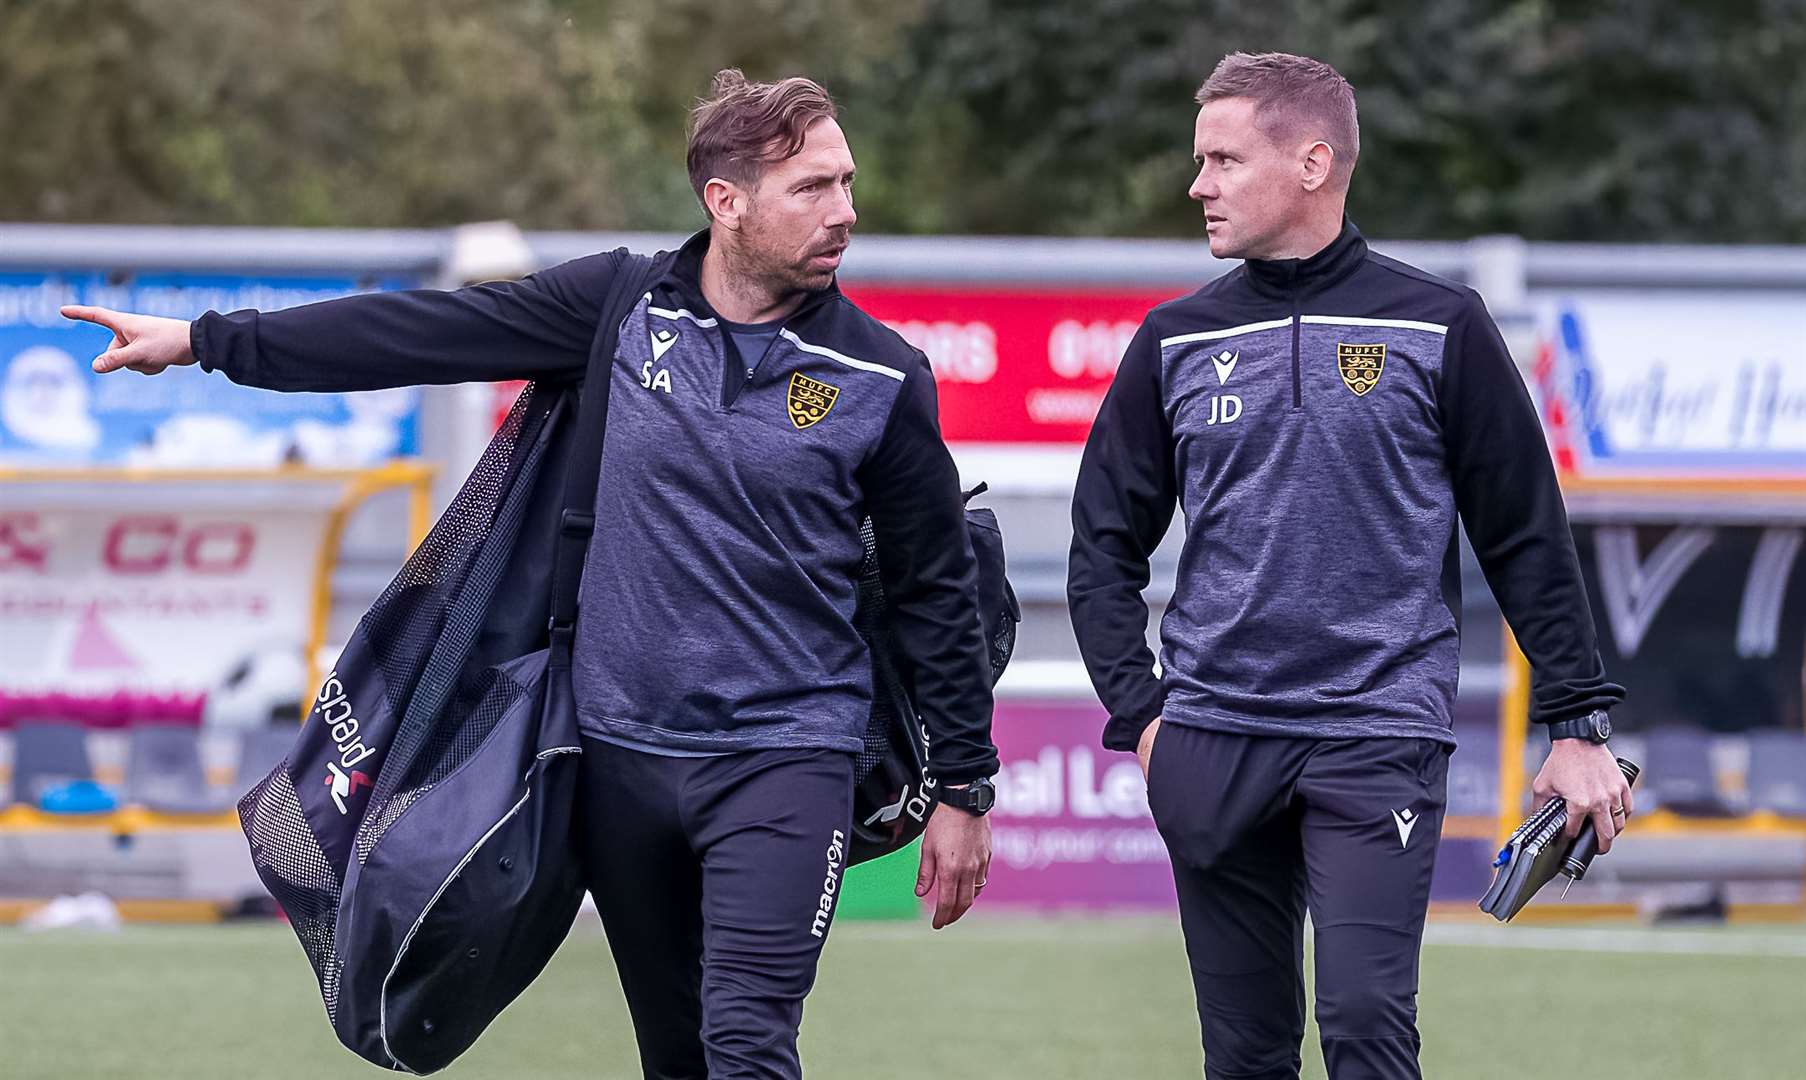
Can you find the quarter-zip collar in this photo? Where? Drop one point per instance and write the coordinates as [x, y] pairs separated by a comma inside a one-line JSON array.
[[685, 276], [1288, 278]]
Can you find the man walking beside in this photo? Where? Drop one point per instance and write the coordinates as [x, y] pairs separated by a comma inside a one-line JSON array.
[[1323, 415], [722, 688]]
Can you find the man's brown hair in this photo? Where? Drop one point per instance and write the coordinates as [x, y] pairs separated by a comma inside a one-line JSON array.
[[743, 126], [1294, 96]]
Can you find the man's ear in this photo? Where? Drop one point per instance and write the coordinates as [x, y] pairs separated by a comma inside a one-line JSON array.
[[725, 201], [1316, 164]]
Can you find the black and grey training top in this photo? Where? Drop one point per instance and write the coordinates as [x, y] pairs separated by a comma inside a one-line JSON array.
[[1321, 422], [717, 601]]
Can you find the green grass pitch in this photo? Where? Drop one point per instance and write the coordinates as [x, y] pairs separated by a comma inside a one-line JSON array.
[[994, 996]]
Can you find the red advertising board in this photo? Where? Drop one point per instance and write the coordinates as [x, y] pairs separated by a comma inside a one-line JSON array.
[[1014, 365]]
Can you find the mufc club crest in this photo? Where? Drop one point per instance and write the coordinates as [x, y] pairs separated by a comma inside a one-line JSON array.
[[809, 400], [1360, 366]]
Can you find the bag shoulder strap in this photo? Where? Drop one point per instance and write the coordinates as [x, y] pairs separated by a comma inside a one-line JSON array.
[[633, 276]]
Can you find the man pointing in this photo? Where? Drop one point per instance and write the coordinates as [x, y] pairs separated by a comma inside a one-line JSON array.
[[755, 415]]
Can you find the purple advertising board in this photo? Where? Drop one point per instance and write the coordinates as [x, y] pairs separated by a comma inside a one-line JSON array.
[[1072, 830]]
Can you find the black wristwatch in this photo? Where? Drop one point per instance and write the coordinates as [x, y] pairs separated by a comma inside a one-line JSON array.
[[1595, 727], [976, 797]]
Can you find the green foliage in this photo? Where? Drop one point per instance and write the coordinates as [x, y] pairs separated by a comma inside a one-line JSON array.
[[308, 112], [1663, 121]]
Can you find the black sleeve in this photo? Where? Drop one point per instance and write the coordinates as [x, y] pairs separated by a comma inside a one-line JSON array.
[[1122, 505], [535, 328], [931, 581], [1511, 505]]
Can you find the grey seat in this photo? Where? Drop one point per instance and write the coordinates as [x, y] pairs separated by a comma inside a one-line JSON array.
[[1777, 777], [48, 754], [1679, 773], [163, 770], [259, 749]]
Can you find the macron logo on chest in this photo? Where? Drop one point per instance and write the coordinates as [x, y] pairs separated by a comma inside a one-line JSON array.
[[662, 340]]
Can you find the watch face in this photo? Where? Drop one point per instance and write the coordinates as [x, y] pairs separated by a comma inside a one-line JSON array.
[[983, 796], [1602, 726]]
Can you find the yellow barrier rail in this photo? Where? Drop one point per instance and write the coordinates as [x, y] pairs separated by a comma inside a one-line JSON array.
[[418, 478], [359, 486], [123, 821]]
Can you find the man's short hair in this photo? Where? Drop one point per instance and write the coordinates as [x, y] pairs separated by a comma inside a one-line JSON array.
[[1294, 96], [742, 126]]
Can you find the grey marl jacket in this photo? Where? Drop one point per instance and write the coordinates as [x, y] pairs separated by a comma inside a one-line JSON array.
[[1323, 423]]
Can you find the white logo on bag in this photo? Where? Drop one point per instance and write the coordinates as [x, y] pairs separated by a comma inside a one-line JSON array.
[[1406, 821], [916, 804], [343, 785], [830, 885], [334, 708], [886, 814]]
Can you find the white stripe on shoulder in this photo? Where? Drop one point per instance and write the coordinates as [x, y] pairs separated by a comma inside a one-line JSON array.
[[1349, 320], [841, 358], [680, 313], [1233, 331]]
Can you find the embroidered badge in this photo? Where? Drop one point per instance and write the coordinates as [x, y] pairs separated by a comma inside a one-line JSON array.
[[1360, 366], [809, 400]]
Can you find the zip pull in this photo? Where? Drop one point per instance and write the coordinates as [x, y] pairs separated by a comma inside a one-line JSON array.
[[1297, 364]]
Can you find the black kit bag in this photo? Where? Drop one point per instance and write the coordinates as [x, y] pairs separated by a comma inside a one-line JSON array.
[[419, 835], [893, 793]]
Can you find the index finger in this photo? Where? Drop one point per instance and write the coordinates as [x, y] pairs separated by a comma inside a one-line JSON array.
[[100, 316]]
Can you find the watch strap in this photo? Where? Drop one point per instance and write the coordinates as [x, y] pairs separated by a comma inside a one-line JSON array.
[[1593, 727], [975, 796]]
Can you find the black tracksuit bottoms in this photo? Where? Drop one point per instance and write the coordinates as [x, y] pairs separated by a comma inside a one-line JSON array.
[[1261, 829], [716, 879]]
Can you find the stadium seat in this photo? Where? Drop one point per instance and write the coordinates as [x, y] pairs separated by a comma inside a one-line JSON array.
[[1679, 773], [46, 755], [1777, 776], [259, 749], [163, 771]]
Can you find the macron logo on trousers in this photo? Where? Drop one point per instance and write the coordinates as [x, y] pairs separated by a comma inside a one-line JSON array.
[[1405, 822], [830, 885]]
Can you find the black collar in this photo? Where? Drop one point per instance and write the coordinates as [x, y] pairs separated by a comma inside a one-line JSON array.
[[685, 276], [1290, 277]]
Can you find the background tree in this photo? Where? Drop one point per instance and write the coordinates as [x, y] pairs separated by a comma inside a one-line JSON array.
[[1673, 120]]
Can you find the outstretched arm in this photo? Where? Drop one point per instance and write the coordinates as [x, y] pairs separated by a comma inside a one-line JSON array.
[[538, 327]]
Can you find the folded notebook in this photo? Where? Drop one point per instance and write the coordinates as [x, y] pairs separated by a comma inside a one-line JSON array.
[[1537, 851]]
